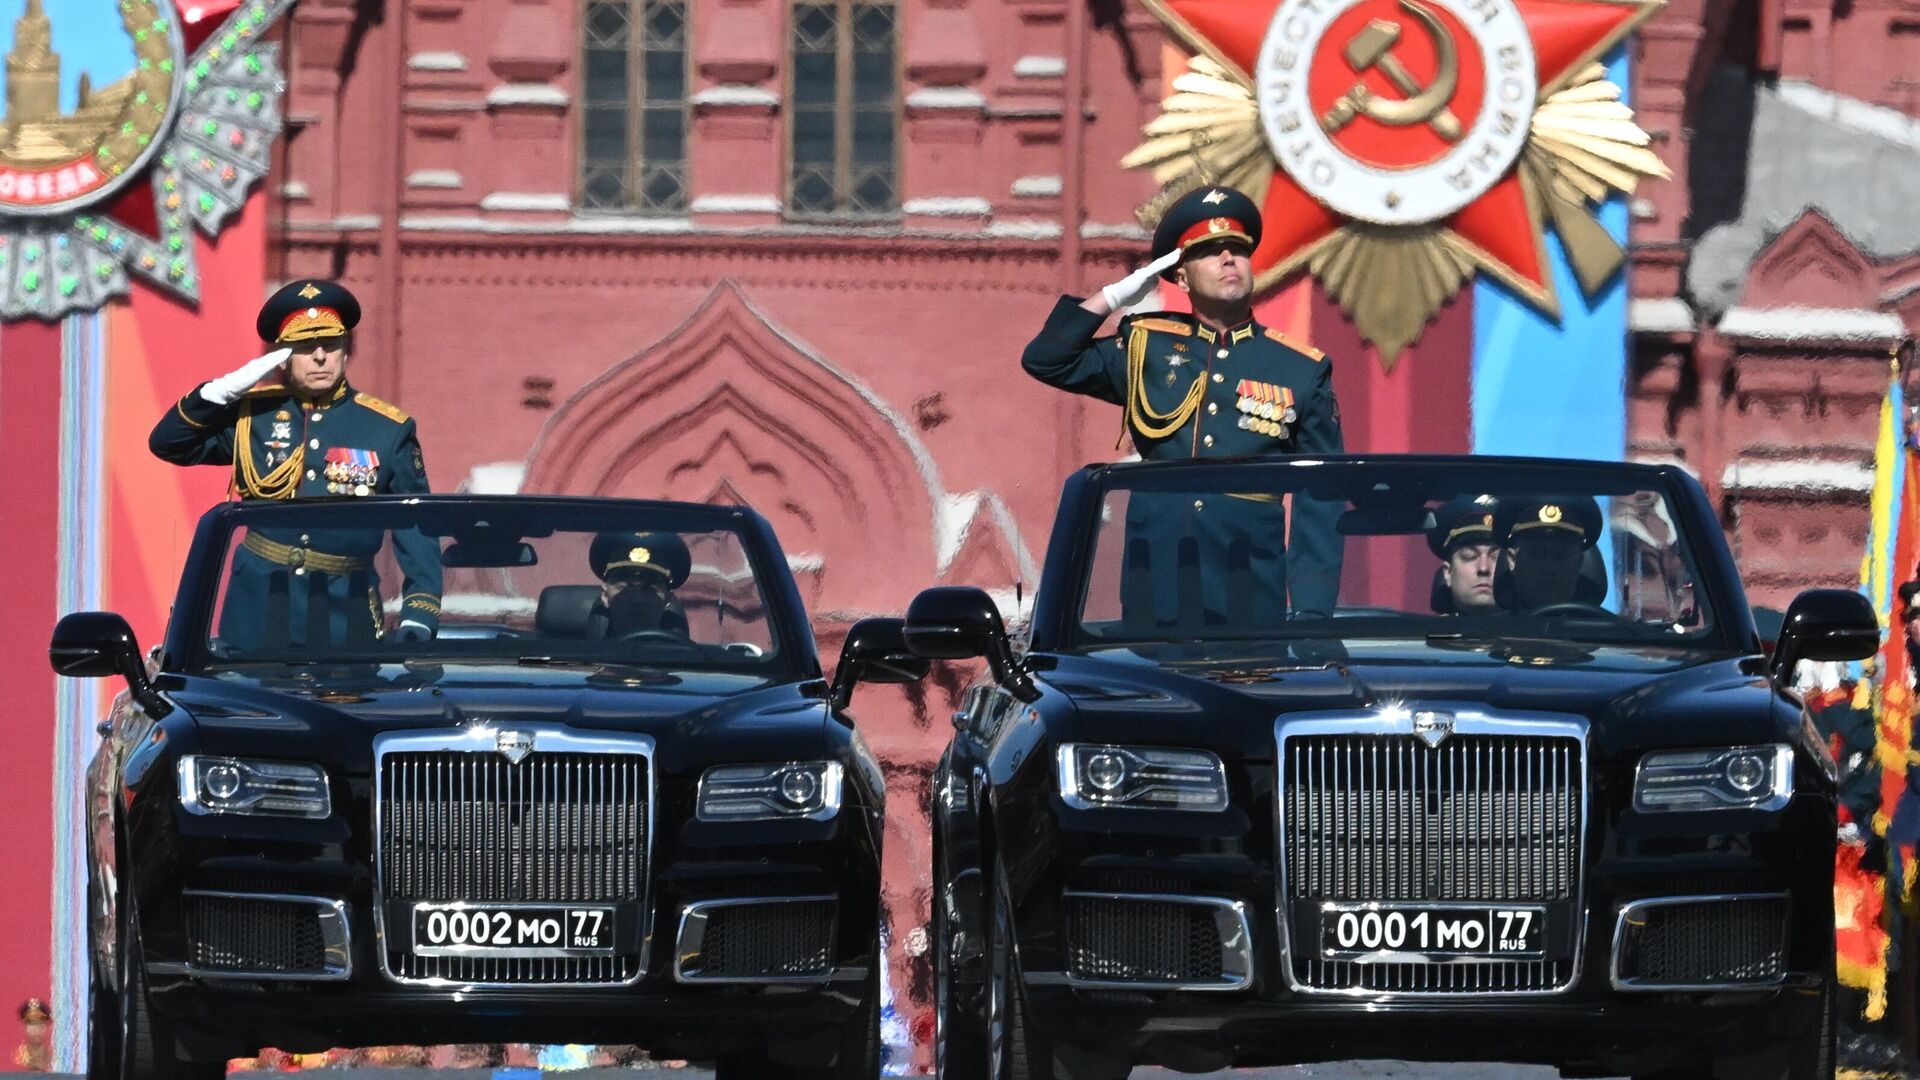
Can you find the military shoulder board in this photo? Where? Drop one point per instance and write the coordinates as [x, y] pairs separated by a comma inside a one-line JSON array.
[[1165, 326], [1265, 408], [392, 412], [1307, 351]]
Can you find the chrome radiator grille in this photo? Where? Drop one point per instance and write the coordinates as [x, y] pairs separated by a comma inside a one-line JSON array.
[[564, 827], [558, 827], [1477, 818], [1480, 818], [485, 970]]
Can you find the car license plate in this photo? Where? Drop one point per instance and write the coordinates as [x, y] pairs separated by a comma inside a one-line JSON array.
[[1360, 930], [511, 930]]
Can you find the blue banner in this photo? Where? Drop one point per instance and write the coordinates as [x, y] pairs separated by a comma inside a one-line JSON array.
[[1554, 389]]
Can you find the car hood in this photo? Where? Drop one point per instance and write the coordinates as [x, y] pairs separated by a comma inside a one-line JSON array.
[[1636, 697], [335, 715]]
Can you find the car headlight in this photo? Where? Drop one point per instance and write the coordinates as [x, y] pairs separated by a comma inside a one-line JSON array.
[[796, 789], [224, 785], [1733, 778], [1093, 776]]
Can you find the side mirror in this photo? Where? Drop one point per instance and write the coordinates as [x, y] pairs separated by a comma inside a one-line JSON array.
[[100, 644], [960, 622], [1825, 624], [875, 652]]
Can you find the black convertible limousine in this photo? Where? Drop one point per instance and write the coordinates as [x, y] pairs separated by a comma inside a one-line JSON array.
[[1529, 791], [612, 800]]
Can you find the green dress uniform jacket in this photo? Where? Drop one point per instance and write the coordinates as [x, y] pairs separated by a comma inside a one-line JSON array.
[[316, 589], [1189, 391]]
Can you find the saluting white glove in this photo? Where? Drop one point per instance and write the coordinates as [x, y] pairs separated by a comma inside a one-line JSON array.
[[1139, 285], [226, 388]]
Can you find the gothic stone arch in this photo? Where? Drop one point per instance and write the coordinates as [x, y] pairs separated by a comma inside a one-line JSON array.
[[729, 408]]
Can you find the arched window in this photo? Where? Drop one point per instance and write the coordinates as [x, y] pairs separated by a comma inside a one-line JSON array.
[[843, 110], [633, 137]]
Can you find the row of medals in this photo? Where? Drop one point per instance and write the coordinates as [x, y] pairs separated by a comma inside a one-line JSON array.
[[345, 479], [1265, 417]]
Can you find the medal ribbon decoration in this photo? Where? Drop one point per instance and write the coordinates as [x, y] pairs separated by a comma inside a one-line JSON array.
[[1400, 147], [116, 187], [352, 472]]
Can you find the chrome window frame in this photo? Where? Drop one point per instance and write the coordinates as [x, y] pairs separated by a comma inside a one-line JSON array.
[[1469, 719], [480, 737]]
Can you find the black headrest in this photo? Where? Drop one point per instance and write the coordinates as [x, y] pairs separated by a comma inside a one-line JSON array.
[[569, 611], [1590, 588]]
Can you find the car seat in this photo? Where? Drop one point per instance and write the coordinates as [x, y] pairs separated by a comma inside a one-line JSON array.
[[571, 611]]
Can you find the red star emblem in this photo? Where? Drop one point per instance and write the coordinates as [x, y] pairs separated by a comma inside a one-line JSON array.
[[1370, 49]]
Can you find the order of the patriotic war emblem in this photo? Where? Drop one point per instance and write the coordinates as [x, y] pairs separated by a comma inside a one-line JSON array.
[[1399, 148], [130, 125]]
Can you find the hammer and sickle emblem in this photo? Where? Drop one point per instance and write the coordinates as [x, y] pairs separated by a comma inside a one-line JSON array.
[[1373, 46]]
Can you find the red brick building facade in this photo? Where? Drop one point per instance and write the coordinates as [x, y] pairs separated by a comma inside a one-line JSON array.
[[786, 252], [1777, 271]]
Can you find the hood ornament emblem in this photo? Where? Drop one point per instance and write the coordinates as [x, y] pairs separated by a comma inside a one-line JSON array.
[[514, 745], [1433, 728]]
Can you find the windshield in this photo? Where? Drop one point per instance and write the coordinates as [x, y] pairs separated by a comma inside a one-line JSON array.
[[533, 582], [1345, 551]]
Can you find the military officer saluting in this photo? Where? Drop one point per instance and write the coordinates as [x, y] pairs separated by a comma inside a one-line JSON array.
[[1211, 384], [305, 433]]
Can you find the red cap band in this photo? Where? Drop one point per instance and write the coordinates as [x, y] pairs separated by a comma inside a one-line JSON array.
[[1213, 229]]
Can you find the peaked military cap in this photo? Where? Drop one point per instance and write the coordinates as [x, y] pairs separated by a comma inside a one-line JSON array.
[[627, 555], [1208, 213], [1467, 519], [307, 309], [1578, 515]]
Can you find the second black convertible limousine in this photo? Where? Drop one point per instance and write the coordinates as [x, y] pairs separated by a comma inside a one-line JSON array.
[[612, 800], [1527, 790]]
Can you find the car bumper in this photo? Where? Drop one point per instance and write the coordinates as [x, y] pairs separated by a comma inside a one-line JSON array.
[[664, 1001], [1626, 1034], [1261, 1013]]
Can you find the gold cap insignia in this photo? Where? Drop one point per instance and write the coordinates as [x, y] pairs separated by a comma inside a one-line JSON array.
[[309, 291], [1214, 196], [313, 322], [1550, 514], [640, 555]]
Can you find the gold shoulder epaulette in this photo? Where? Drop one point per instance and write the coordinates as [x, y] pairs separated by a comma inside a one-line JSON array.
[[1165, 326], [1307, 351], [392, 412], [265, 390]]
